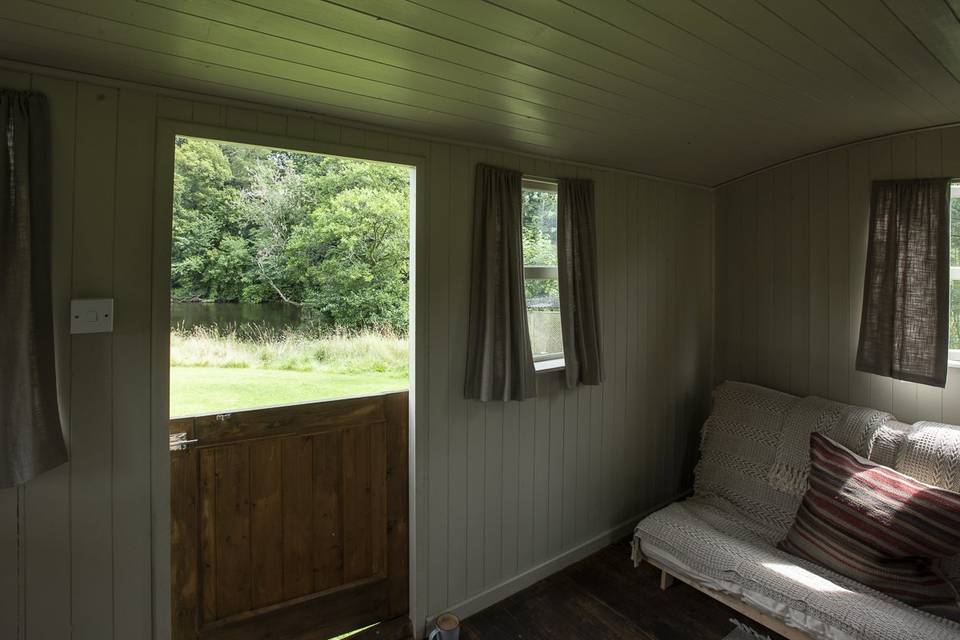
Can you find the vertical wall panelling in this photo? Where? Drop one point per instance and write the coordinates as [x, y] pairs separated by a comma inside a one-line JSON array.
[[541, 469], [830, 195], [607, 231], [596, 466], [818, 338], [766, 282], [476, 421], [748, 282], [782, 292], [461, 204], [509, 439], [799, 230], [91, 466], [131, 362], [438, 368], [734, 303], [631, 347], [618, 380], [838, 246], [858, 212], [505, 492], [46, 531]]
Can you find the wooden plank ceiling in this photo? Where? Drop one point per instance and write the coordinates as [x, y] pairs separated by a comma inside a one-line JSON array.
[[702, 91]]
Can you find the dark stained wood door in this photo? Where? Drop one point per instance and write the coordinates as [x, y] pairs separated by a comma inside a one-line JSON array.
[[291, 522]]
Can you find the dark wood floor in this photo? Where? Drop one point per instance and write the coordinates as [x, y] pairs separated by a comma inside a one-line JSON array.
[[604, 597]]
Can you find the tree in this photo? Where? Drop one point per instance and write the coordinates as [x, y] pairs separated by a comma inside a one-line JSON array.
[[264, 225], [353, 259]]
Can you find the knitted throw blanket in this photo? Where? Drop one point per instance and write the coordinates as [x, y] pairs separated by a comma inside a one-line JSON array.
[[853, 427]]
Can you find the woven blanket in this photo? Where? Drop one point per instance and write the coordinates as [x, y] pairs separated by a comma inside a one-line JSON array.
[[706, 541], [755, 449], [853, 427]]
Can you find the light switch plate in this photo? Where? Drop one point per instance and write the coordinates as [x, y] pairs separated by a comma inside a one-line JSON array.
[[91, 315]]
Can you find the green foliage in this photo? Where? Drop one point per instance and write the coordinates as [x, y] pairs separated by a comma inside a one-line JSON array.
[[252, 224], [539, 209]]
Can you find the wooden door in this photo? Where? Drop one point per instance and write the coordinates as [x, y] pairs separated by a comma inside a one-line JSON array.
[[289, 522]]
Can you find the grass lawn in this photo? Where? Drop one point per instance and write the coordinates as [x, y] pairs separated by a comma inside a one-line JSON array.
[[197, 390]]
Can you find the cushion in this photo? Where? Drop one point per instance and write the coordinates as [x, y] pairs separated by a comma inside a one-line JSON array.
[[877, 526], [705, 540], [888, 443], [931, 454]]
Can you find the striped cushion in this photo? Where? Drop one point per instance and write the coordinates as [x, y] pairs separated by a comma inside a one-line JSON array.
[[877, 526]]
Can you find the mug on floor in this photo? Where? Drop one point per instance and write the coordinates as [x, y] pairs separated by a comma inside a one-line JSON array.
[[447, 627]]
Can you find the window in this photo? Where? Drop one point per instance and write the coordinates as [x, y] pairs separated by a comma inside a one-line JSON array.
[[541, 284], [955, 274]]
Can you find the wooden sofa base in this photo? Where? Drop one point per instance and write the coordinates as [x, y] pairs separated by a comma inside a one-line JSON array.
[[667, 580]]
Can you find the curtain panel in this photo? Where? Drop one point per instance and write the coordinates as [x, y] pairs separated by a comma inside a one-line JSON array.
[[499, 357], [906, 293], [579, 303], [30, 437]]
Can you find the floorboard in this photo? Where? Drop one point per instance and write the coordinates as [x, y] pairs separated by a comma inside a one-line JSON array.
[[604, 597]]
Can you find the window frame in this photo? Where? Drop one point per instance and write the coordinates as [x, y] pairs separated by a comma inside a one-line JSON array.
[[543, 361]]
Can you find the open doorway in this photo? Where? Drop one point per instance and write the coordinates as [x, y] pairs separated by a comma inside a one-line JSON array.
[[289, 277], [290, 309]]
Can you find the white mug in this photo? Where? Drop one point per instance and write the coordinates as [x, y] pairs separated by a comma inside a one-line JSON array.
[[446, 627]]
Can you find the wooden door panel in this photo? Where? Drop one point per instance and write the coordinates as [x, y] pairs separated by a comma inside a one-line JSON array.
[[327, 512], [292, 509], [266, 508], [231, 525], [297, 517]]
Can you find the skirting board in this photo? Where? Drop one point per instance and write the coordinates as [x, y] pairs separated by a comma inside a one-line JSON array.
[[523, 580]]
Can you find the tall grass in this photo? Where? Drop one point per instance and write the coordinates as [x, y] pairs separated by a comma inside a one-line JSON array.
[[263, 347]]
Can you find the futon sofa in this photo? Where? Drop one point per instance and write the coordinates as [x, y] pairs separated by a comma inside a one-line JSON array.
[[748, 486]]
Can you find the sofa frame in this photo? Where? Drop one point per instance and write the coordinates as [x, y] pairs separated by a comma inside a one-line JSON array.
[[667, 580]]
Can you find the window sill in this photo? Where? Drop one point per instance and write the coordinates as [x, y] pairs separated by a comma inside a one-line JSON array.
[[953, 364], [557, 364]]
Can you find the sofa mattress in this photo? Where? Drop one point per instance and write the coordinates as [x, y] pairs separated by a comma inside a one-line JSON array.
[[705, 540]]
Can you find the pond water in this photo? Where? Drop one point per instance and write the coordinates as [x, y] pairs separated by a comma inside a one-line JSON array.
[[233, 315]]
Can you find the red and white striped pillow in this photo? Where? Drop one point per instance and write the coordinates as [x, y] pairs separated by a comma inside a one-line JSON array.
[[880, 527]]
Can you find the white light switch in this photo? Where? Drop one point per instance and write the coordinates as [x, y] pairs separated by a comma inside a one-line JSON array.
[[91, 316]]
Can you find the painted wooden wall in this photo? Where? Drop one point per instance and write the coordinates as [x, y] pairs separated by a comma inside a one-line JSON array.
[[501, 489], [791, 254]]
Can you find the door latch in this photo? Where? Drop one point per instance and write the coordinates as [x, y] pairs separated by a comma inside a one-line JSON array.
[[179, 442]]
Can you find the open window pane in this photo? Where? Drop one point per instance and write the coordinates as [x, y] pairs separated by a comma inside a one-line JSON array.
[[539, 226], [543, 316], [541, 286]]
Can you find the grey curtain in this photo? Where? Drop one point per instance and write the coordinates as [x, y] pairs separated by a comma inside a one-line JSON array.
[[577, 266], [499, 358], [30, 437], [906, 292]]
